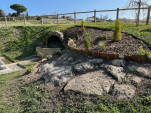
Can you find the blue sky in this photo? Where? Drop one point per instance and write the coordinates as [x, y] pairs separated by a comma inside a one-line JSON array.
[[48, 7]]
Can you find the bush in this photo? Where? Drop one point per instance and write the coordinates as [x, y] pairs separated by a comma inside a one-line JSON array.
[[88, 36], [102, 45], [87, 44], [29, 69], [82, 26], [117, 31], [99, 38], [147, 101], [141, 51], [58, 53], [72, 43]]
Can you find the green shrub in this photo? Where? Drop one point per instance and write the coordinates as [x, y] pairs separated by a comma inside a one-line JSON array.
[[88, 36], [72, 43], [141, 51], [87, 44], [58, 53], [77, 36], [147, 100], [102, 45], [104, 37], [82, 26], [29, 69], [148, 55], [117, 31]]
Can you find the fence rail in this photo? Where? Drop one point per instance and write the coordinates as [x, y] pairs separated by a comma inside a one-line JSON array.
[[6, 21]]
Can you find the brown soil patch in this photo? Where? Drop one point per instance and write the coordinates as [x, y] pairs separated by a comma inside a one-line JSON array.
[[129, 45]]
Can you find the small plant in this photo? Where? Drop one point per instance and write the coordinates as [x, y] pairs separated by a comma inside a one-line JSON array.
[[102, 45], [117, 31], [147, 101], [87, 44], [29, 69], [77, 36], [72, 43], [88, 36], [141, 51], [70, 73], [104, 37], [148, 55], [58, 53], [82, 26], [49, 56]]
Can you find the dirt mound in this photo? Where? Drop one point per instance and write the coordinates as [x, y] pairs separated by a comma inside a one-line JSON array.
[[129, 45]]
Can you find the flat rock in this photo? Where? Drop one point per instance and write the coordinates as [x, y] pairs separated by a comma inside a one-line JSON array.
[[136, 80], [118, 62], [140, 71], [55, 75], [96, 61], [58, 75], [46, 67], [116, 72], [123, 91], [94, 83], [83, 67]]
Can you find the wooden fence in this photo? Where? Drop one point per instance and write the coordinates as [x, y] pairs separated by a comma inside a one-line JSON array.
[[75, 15]]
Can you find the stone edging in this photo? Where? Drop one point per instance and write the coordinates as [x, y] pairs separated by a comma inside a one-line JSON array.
[[108, 55]]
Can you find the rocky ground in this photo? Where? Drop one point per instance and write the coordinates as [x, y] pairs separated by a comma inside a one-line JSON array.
[[89, 75]]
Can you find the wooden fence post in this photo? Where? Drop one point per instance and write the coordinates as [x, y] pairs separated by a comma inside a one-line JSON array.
[[117, 16], [41, 20], [94, 16], [24, 20], [58, 19], [75, 18], [5, 21], [148, 15]]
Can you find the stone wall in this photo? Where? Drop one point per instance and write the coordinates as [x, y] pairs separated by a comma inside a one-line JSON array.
[[43, 52]]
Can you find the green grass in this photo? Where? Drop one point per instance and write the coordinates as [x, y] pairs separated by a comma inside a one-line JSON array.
[[21, 41], [21, 94]]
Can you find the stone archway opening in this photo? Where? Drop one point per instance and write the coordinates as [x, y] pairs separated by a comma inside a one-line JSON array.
[[54, 42]]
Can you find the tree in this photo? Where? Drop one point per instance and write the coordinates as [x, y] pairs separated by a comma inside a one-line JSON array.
[[137, 4], [117, 31], [82, 26], [19, 8], [2, 14]]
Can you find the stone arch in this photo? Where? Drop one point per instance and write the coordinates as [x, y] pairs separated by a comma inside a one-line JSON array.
[[54, 40]]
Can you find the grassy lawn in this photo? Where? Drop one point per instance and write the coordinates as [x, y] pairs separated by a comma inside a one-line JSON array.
[[21, 93]]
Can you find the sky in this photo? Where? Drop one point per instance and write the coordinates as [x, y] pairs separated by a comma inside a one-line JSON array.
[[49, 7]]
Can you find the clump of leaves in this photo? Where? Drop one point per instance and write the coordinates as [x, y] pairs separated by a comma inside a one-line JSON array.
[[58, 53], [29, 69], [77, 36], [141, 51], [148, 55], [87, 44], [82, 26], [102, 45], [117, 31], [147, 100], [104, 37], [72, 43], [88, 36]]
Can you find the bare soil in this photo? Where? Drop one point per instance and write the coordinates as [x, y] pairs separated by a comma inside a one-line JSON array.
[[129, 45]]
